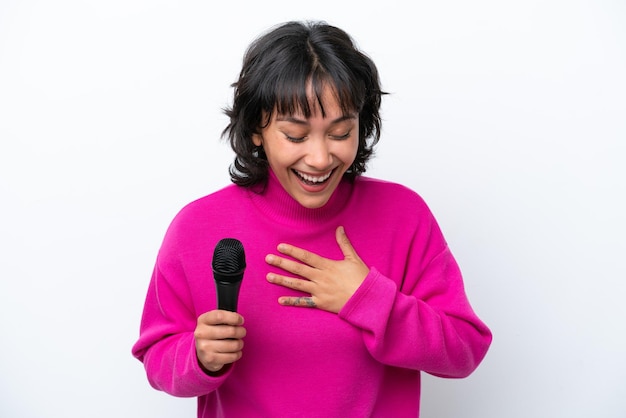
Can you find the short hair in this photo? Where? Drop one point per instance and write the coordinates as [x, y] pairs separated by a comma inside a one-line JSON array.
[[277, 68]]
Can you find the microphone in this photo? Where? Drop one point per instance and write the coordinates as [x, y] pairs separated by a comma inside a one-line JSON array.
[[229, 262]]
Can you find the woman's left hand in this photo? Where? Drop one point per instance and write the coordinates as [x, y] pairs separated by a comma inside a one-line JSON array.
[[329, 282]]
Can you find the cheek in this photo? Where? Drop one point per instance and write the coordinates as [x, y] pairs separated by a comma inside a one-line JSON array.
[[279, 155], [350, 151]]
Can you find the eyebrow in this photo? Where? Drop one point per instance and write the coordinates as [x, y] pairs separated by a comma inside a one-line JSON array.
[[291, 119]]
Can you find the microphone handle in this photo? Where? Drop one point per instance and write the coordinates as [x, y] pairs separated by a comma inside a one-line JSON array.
[[227, 295]]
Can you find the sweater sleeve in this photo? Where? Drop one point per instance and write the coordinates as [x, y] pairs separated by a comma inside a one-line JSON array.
[[166, 344], [427, 324]]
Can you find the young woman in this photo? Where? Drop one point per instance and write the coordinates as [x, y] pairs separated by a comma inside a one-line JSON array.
[[350, 290]]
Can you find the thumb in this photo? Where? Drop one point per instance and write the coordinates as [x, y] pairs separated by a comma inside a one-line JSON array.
[[344, 244]]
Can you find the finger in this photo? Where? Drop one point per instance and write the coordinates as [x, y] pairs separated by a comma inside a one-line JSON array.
[[344, 243], [307, 257], [216, 347], [306, 302], [215, 361], [291, 266], [218, 360], [214, 369], [289, 282], [219, 332], [220, 317]]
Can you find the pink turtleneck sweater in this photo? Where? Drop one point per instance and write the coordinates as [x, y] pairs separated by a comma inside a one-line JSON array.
[[411, 313]]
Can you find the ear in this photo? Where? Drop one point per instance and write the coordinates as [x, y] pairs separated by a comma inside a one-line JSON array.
[[257, 139]]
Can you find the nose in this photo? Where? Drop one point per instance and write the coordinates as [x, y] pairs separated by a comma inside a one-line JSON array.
[[319, 155]]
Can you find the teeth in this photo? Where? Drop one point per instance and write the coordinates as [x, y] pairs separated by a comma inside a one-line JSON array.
[[315, 179]]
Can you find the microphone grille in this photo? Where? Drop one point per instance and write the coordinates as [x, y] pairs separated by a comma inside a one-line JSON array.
[[229, 256]]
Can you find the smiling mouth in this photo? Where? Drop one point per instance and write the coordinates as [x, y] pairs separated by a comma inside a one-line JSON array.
[[313, 180]]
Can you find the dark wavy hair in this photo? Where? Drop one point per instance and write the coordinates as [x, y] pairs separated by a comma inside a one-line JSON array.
[[277, 68]]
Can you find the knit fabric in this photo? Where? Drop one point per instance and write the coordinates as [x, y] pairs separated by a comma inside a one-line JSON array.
[[411, 313]]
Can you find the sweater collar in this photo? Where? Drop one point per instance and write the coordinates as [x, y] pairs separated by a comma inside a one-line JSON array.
[[275, 203]]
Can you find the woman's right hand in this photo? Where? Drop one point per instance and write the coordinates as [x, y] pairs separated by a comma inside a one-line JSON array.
[[219, 339]]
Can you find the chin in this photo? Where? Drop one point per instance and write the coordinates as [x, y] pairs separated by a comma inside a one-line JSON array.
[[313, 205]]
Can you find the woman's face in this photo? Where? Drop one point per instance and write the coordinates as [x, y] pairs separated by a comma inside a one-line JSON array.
[[310, 155]]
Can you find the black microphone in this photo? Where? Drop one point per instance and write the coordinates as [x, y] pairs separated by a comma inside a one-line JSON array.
[[229, 262]]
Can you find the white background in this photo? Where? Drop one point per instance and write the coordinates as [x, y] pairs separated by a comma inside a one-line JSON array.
[[507, 116]]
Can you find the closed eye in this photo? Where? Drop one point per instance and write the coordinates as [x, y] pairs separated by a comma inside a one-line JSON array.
[[342, 137], [295, 139]]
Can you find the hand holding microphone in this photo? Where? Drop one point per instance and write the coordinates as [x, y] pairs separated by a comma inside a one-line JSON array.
[[219, 333]]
